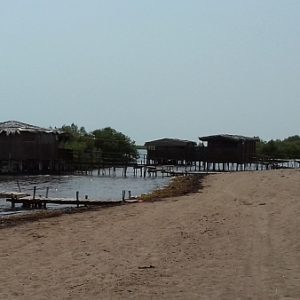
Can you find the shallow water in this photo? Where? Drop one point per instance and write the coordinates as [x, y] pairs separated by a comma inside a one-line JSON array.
[[96, 187]]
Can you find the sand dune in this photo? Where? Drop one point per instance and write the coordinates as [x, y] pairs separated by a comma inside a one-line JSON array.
[[238, 238]]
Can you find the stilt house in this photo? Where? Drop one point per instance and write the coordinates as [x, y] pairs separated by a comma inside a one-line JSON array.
[[225, 148], [170, 151], [27, 148]]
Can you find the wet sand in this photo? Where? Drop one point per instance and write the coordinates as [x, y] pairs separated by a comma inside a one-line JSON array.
[[237, 238]]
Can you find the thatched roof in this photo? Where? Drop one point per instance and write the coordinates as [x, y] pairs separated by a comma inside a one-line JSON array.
[[227, 137], [170, 143], [15, 127]]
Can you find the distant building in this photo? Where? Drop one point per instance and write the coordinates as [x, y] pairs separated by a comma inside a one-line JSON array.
[[170, 151], [221, 148], [27, 148], [225, 148]]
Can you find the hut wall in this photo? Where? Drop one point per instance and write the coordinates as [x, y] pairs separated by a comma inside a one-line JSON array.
[[28, 146], [166, 154], [28, 152], [199, 153], [249, 151], [231, 151]]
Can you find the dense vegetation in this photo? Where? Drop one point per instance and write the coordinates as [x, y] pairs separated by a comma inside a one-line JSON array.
[[108, 146], [105, 146], [284, 149]]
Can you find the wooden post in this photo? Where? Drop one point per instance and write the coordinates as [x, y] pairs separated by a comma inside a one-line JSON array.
[[47, 191], [129, 194], [13, 202], [123, 195], [34, 192], [19, 188], [77, 198]]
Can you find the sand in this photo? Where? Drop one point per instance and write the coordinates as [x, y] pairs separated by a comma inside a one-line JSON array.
[[237, 238]]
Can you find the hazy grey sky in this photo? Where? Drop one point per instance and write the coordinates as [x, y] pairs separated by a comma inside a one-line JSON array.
[[151, 68]]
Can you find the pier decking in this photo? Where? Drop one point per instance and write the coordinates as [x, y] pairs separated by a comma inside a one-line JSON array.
[[29, 202], [12, 194]]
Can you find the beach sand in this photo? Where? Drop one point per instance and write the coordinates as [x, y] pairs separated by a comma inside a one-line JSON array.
[[237, 238]]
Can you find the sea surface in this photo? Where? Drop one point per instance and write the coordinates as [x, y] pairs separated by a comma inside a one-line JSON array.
[[96, 187]]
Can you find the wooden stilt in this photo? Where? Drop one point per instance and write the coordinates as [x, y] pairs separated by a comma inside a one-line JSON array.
[[77, 198]]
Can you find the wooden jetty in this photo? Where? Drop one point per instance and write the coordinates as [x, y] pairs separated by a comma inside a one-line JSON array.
[[40, 202], [188, 173], [30, 202]]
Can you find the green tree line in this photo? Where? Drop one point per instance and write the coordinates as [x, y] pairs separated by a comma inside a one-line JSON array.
[[288, 148], [101, 146]]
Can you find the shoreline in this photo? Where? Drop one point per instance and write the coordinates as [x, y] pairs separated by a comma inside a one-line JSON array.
[[237, 238], [178, 186]]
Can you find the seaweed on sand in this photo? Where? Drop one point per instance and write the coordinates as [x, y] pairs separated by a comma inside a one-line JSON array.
[[179, 186]]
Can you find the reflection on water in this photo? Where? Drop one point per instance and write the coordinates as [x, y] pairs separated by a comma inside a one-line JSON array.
[[96, 187]]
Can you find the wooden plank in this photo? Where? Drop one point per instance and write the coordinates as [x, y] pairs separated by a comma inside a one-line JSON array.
[[12, 194], [190, 173], [43, 201]]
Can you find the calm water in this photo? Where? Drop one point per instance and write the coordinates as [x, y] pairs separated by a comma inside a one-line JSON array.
[[96, 187]]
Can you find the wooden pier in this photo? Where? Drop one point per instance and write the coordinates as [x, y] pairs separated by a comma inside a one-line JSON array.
[[33, 202], [29, 202], [188, 173]]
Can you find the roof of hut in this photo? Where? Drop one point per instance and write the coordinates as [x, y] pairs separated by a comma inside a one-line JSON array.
[[170, 142], [15, 127], [228, 137]]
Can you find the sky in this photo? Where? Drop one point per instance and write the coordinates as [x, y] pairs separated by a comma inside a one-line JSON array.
[[153, 69]]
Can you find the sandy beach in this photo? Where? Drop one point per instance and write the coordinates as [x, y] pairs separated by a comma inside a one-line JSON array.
[[237, 238]]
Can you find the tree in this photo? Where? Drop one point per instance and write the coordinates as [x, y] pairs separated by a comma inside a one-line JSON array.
[[77, 138], [102, 146], [115, 146], [288, 148]]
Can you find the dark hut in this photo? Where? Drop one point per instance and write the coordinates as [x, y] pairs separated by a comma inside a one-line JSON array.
[[170, 151], [225, 148], [27, 148]]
